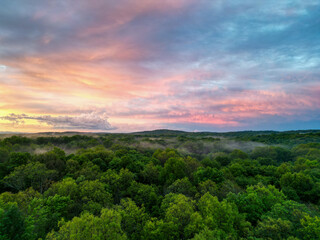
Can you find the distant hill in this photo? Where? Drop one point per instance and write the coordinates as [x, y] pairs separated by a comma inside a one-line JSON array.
[[168, 132], [160, 132]]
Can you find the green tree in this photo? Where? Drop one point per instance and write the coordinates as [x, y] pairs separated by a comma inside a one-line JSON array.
[[33, 174], [299, 186], [271, 228], [54, 160], [276, 153], [93, 196], [174, 168], [88, 171], [155, 229], [133, 218], [206, 234], [4, 154], [151, 173], [311, 227], [238, 154], [257, 200], [178, 210], [290, 211], [90, 227], [183, 186], [17, 158], [164, 155], [208, 186], [223, 216], [118, 184], [222, 158], [146, 195], [12, 225], [208, 173], [43, 215]]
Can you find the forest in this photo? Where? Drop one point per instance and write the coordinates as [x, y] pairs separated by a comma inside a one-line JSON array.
[[160, 185]]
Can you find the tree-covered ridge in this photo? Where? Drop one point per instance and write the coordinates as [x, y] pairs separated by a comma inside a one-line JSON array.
[[160, 186]]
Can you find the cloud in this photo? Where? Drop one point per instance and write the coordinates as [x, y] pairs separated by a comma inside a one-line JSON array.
[[223, 64], [89, 121]]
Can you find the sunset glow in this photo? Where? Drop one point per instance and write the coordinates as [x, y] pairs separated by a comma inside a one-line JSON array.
[[131, 65]]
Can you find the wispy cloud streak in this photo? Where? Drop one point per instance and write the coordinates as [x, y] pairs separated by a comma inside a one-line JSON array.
[[91, 121]]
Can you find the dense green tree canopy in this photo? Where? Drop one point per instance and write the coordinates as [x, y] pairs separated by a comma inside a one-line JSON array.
[[160, 187]]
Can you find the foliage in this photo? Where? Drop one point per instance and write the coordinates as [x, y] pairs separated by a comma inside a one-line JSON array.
[[161, 185], [88, 226]]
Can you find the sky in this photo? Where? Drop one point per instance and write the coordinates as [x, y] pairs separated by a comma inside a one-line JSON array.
[[133, 65]]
